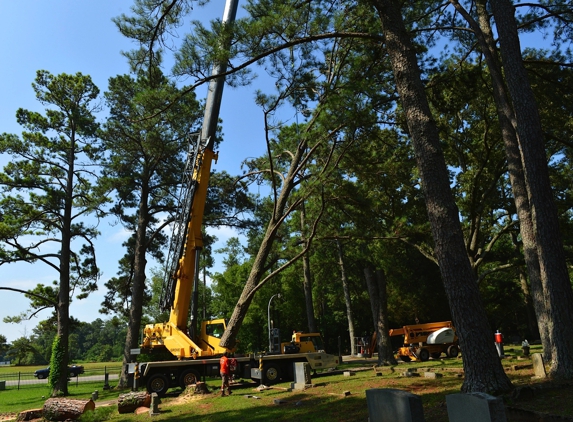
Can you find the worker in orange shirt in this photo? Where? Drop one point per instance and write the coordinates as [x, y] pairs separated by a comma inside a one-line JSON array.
[[225, 374]]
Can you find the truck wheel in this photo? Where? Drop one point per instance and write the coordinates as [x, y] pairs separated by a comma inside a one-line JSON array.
[[424, 355], [158, 383], [188, 377], [72, 374], [40, 376], [271, 374], [453, 351]]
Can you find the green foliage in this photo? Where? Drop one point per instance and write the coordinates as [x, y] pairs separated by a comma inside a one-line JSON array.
[[22, 351], [99, 414], [4, 346]]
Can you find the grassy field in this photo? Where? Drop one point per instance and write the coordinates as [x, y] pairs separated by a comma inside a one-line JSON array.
[[326, 401]]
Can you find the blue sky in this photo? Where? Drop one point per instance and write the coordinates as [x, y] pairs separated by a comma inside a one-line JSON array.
[[67, 36]]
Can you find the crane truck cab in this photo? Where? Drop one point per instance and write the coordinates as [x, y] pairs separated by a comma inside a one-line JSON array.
[[303, 343]]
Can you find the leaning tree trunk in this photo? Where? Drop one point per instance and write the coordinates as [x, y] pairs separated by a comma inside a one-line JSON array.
[[554, 274], [379, 305], [253, 283], [482, 367], [347, 300]]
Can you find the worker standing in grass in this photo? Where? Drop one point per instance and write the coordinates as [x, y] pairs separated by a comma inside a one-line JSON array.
[[225, 373]]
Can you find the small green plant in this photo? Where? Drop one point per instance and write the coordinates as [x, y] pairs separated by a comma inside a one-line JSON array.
[[99, 414]]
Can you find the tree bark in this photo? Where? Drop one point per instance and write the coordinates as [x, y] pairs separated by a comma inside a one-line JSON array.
[[137, 286], [347, 300], [60, 388], [527, 302], [482, 366], [557, 290], [253, 283], [61, 409], [506, 118], [379, 305], [307, 281]]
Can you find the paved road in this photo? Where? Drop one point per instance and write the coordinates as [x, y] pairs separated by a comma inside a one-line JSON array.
[[81, 378]]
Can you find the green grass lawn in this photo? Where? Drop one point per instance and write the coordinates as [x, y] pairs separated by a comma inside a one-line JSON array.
[[326, 401]]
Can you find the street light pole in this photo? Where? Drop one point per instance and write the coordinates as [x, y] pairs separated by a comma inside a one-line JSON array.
[[269, 321]]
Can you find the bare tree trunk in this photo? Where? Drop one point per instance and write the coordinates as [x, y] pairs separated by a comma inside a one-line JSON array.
[[482, 367], [527, 302], [132, 339], [506, 118], [307, 283], [554, 274], [379, 306], [347, 300]]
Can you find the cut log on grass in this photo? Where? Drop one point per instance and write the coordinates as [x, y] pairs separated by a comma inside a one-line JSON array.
[[61, 409], [127, 403]]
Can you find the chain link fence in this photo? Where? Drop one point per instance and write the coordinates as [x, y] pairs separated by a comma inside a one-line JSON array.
[[23, 379]]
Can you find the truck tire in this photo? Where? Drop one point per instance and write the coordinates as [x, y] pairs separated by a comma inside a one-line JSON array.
[[188, 377], [424, 355], [271, 374], [158, 383], [72, 374], [453, 351]]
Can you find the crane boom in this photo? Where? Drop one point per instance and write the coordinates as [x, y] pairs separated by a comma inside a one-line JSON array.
[[180, 293]]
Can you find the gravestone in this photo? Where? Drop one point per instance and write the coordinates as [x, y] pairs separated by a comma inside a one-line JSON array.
[[432, 375], [301, 375], [154, 407], [475, 407], [390, 405], [538, 365]]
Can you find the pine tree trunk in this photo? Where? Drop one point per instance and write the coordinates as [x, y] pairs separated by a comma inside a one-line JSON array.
[[506, 118], [482, 367], [379, 305], [138, 286], [557, 290], [347, 299], [527, 302], [60, 388]]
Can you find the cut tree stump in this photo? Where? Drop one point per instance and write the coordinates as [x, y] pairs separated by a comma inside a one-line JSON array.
[[127, 403], [199, 388], [28, 415], [60, 409]]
